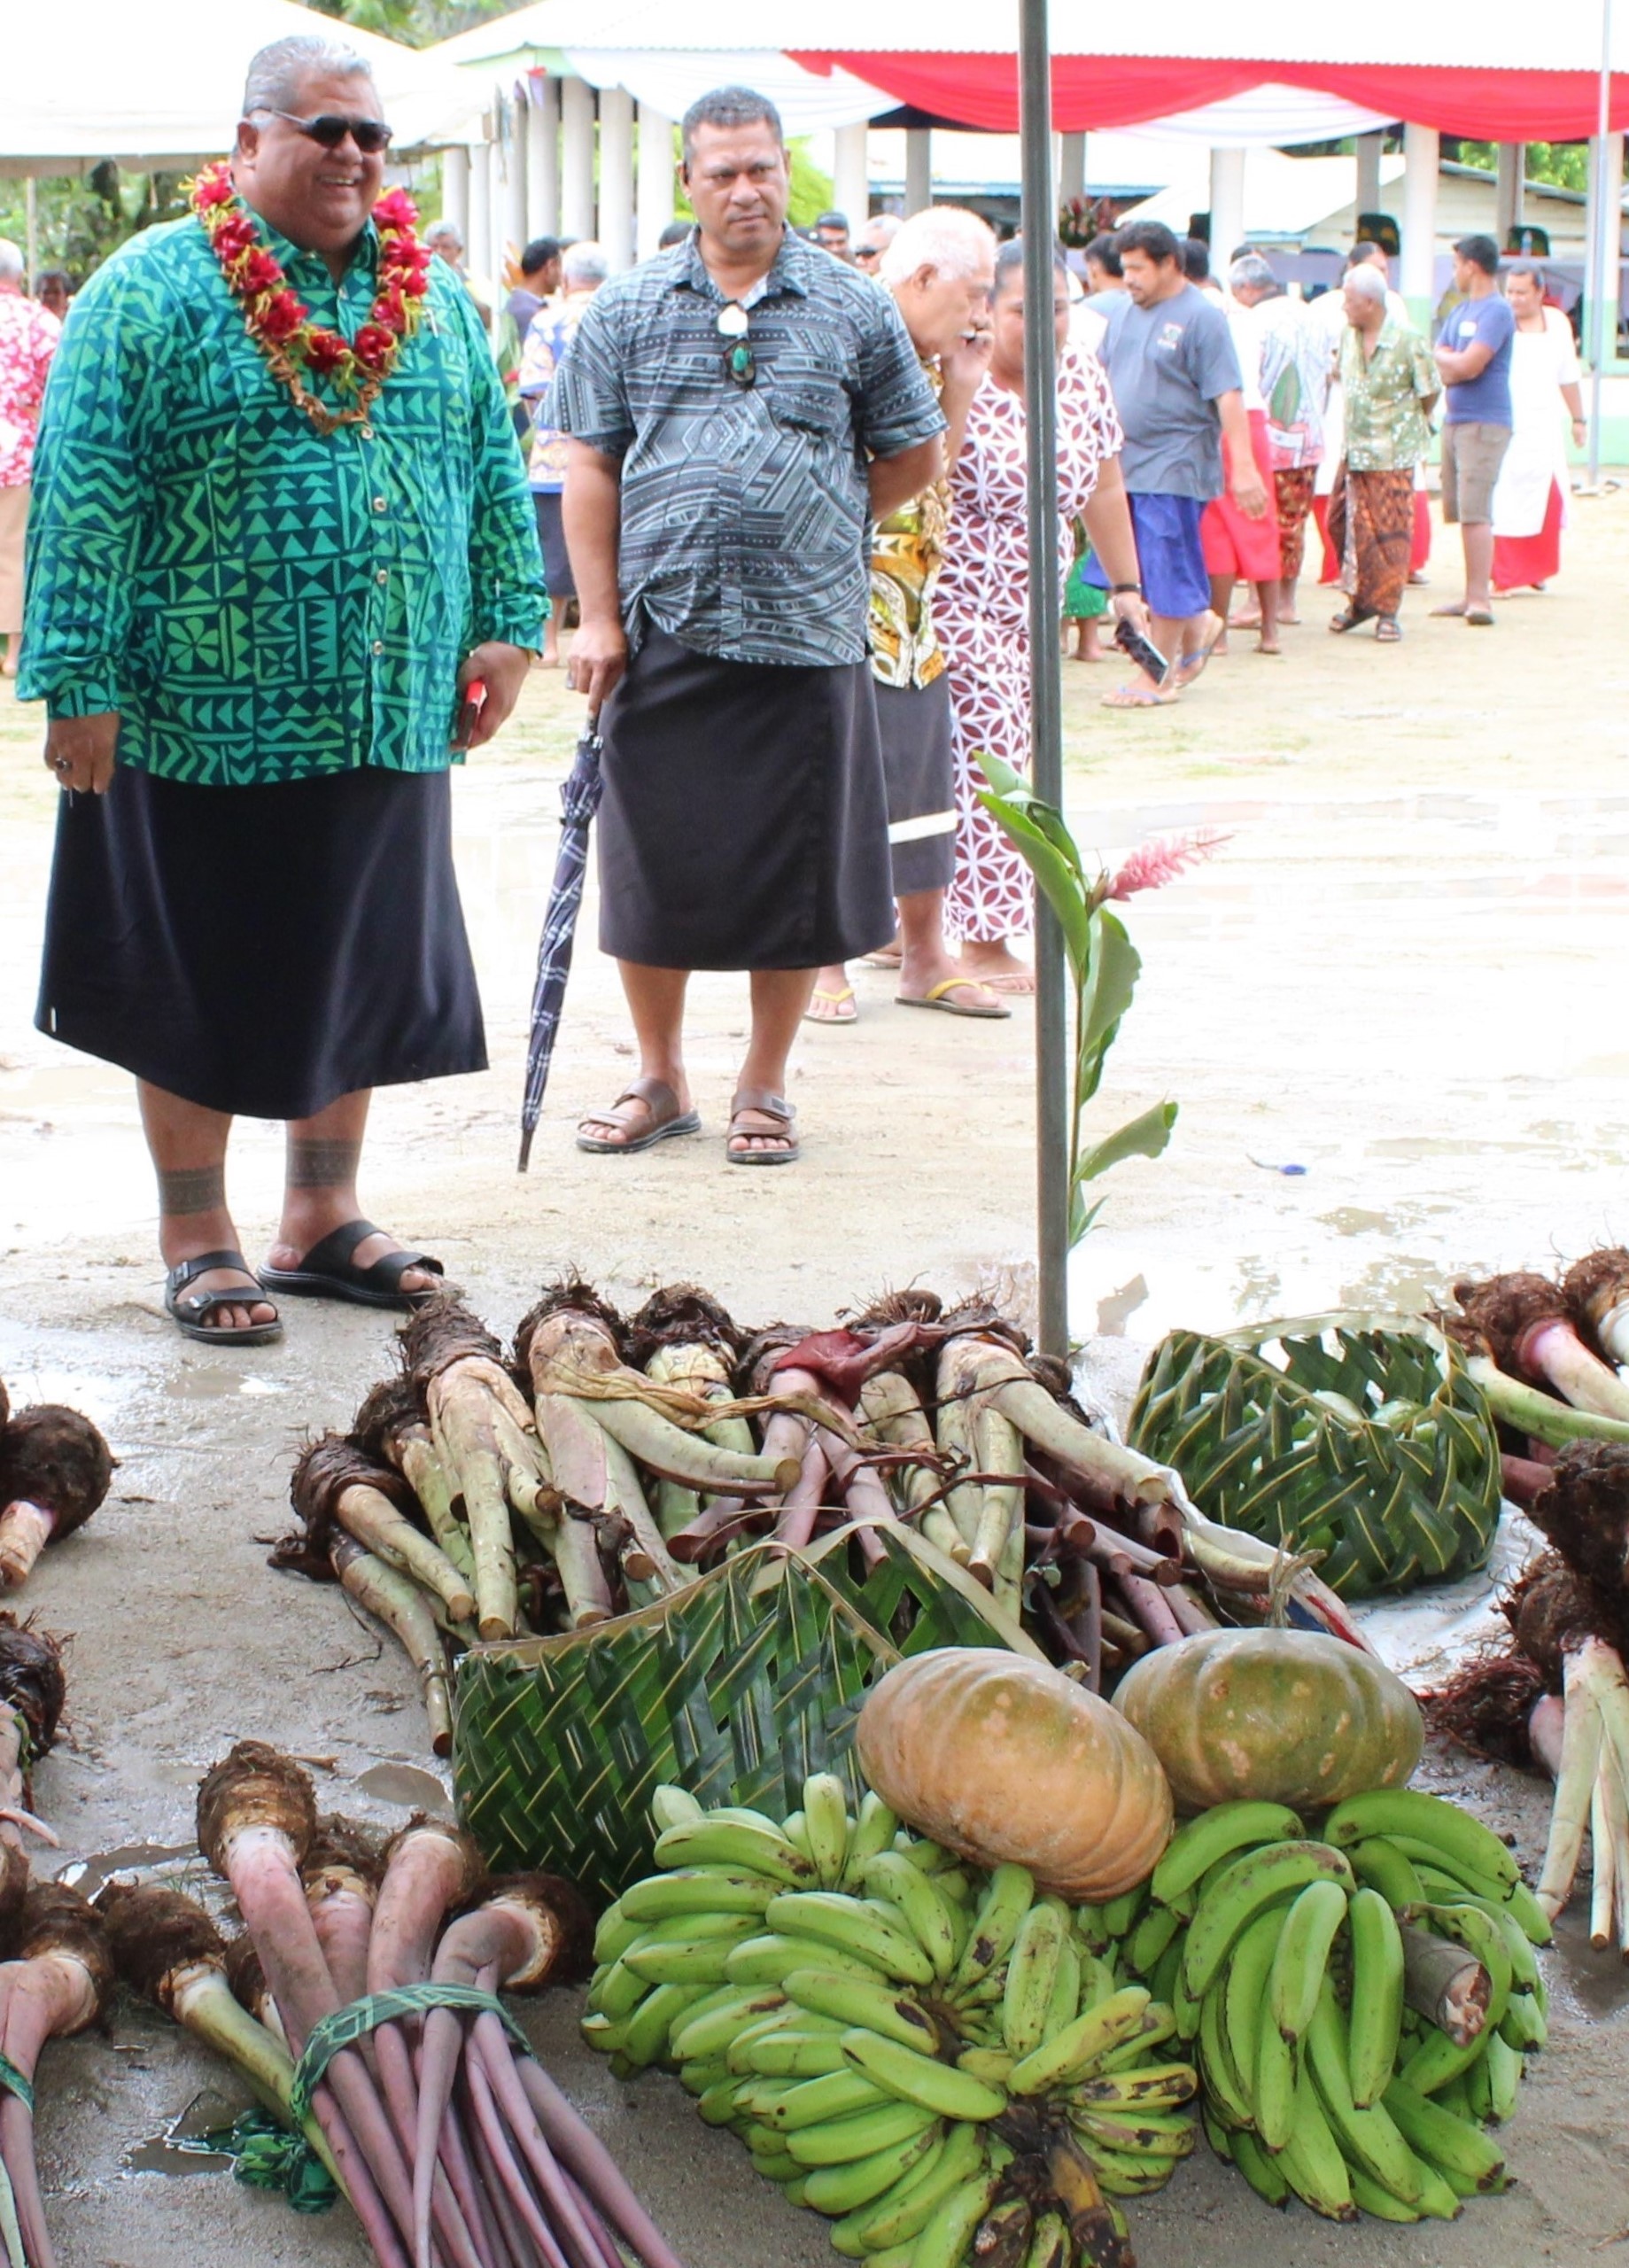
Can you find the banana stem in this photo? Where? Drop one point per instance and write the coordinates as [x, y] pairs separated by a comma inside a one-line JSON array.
[[1445, 1983]]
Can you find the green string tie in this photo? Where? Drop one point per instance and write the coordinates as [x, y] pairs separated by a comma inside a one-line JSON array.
[[12, 2080], [358, 2018], [265, 2156]]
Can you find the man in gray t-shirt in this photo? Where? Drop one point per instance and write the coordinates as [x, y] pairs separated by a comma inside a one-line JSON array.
[[1179, 392]]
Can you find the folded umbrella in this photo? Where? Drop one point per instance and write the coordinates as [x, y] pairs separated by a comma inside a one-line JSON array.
[[579, 800]]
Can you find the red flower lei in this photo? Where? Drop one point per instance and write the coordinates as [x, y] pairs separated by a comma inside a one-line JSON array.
[[280, 323]]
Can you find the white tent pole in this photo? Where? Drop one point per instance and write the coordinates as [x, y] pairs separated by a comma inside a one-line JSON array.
[[478, 235], [1422, 160], [919, 168], [492, 261], [455, 189], [1071, 168], [1369, 146], [851, 174], [616, 177], [543, 158], [1227, 208], [576, 158], [516, 150], [656, 178], [1605, 236]]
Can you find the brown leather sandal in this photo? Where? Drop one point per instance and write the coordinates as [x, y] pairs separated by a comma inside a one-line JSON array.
[[656, 1114], [762, 1103]]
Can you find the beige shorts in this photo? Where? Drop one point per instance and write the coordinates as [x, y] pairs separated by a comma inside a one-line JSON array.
[[13, 519], [1471, 456]]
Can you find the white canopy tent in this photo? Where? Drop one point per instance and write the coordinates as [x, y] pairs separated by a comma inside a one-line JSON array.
[[85, 79]]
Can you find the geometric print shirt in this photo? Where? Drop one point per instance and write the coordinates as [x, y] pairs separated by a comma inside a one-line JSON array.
[[258, 601], [744, 508], [29, 335]]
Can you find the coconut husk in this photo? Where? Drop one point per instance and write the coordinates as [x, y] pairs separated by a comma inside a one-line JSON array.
[[31, 1680], [565, 1918], [1504, 1309], [56, 1918], [1584, 1513], [441, 1332], [570, 1293], [57, 1459], [1484, 1706], [154, 1935], [1593, 1287], [681, 1315], [254, 1786]]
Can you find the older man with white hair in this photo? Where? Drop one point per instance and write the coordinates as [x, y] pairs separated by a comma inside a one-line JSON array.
[[29, 336], [280, 532], [939, 265], [1390, 386]]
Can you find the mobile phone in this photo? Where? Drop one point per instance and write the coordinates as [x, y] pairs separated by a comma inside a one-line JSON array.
[[470, 711], [1141, 650]]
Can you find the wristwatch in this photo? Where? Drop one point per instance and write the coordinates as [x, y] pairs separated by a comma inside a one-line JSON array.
[[1124, 590]]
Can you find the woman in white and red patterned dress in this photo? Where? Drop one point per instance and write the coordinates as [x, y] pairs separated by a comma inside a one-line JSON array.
[[982, 607]]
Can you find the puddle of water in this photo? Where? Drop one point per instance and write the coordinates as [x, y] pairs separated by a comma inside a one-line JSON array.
[[1114, 1312], [87, 1875], [210, 1382], [180, 2147], [408, 1785], [1356, 1221], [1596, 1984]]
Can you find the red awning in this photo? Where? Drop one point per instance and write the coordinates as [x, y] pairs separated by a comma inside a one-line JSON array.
[[1094, 91]]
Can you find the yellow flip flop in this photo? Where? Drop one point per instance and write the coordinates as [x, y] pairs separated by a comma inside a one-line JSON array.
[[938, 999], [835, 1000]]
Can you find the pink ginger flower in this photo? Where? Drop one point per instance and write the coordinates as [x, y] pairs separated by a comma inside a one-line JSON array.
[[1158, 861]]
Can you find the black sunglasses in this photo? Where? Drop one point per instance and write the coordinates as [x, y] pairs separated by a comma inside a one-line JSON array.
[[370, 134]]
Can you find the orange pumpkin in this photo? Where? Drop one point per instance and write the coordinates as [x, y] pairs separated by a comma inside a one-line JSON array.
[[1001, 1758], [1278, 1716]]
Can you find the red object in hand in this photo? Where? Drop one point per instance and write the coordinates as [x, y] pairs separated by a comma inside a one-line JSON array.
[[469, 714]]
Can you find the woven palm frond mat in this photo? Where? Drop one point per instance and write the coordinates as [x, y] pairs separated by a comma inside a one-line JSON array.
[[736, 1688], [1366, 1441]]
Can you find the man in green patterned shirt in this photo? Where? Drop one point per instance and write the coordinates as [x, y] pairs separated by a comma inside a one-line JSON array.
[[280, 524]]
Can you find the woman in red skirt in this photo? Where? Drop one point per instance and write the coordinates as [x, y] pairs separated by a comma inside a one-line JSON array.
[[1530, 500]]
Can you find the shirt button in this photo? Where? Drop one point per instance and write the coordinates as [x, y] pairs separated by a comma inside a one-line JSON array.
[[379, 645], [367, 432], [379, 504], [384, 575]]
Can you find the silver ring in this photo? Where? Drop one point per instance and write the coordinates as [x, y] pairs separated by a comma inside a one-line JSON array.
[[62, 764]]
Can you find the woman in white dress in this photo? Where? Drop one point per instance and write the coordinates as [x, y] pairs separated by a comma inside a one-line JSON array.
[[1530, 506]]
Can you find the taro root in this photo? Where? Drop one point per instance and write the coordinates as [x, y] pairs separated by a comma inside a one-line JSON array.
[[390, 1427], [55, 1472], [1597, 1289], [1487, 1705], [58, 1984], [336, 1486], [1584, 1513], [32, 1692], [341, 1871], [1551, 1611], [1524, 1320]]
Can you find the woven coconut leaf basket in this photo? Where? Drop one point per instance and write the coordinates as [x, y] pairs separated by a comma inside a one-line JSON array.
[[736, 1688], [1358, 1437]]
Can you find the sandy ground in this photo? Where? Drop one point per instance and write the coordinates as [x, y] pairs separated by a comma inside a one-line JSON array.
[[1403, 973]]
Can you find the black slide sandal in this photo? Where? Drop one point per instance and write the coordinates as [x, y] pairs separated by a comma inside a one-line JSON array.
[[188, 1314], [329, 1272]]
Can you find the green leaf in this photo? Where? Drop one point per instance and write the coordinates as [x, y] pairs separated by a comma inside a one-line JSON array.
[[1115, 966], [1140, 1137], [1058, 884], [1015, 788]]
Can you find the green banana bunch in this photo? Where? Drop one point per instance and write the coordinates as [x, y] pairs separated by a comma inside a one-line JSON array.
[[1284, 1958], [888, 2030]]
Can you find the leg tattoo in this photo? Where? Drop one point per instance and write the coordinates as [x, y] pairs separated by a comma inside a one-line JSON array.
[[321, 1165], [192, 1189]]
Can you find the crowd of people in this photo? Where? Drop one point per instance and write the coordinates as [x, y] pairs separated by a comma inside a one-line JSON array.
[[781, 479]]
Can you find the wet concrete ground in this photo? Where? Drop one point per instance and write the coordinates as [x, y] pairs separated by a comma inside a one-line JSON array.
[[1404, 972]]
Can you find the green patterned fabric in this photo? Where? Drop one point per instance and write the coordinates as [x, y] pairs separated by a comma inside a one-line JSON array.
[[13, 2082], [265, 2156], [259, 601], [343, 2027]]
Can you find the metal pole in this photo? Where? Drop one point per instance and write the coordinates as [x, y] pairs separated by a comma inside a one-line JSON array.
[[1609, 237], [1054, 1086]]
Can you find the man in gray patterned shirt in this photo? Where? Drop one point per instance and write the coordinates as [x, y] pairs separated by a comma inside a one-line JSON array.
[[740, 408]]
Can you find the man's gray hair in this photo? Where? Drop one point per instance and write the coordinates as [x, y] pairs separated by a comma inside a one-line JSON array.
[[278, 71], [948, 238], [727, 107], [1251, 273], [444, 232], [584, 262], [1367, 282], [13, 264]]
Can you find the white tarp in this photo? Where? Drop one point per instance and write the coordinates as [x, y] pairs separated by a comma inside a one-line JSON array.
[[163, 81]]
